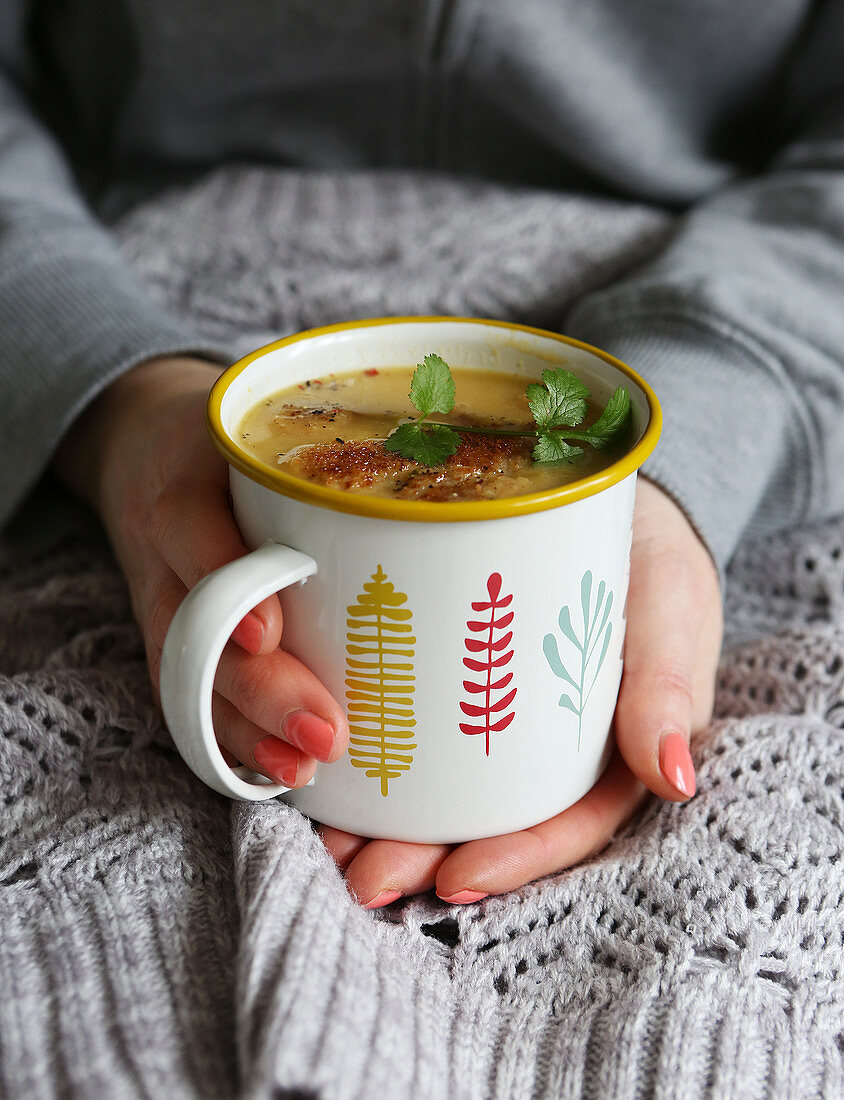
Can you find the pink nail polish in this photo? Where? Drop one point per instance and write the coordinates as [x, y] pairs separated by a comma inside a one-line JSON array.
[[384, 898], [308, 732], [675, 763], [276, 759], [249, 633], [289, 775], [465, 897]]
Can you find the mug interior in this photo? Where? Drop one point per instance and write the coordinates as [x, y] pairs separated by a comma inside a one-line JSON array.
[[470, 344]]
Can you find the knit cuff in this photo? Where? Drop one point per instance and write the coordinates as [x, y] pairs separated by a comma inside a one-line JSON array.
[[724, 441], [64, 340]]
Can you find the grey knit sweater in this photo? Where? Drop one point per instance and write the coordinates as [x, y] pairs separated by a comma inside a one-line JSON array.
[[729, 114], [156, 940], [159, 941]]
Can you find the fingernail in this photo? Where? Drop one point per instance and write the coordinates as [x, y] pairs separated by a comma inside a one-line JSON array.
[[675, 763], [272, 756], [308, 732], [249, 633], [289, 775], [464, 897], [384, 898]]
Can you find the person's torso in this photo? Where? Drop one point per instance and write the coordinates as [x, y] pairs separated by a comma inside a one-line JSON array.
[[655, 99]]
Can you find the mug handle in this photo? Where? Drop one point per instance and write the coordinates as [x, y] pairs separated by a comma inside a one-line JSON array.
[[196, 638]]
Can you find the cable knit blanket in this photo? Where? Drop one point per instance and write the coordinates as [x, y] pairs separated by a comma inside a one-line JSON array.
[[159, 941]]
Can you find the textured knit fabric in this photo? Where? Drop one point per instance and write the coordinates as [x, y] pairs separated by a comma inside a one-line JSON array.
[[728, 114], [159, 941]]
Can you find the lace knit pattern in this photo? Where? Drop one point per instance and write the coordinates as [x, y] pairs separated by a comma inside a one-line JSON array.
[[157, 940]]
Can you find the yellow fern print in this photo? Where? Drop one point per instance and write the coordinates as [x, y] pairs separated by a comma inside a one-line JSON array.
[[380, 682]]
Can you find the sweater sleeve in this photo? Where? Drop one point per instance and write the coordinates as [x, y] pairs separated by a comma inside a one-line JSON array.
[[739, 325], [72, 314]]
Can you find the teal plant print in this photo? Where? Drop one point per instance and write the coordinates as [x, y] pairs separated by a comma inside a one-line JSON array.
[[591, 647]]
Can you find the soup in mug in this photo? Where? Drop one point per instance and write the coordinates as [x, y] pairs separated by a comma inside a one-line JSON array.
[[331, 431]]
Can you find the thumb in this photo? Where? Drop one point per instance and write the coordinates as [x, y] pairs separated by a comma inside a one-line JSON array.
[[656, 703]]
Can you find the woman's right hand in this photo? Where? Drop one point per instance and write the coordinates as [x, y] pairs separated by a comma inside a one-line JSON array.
[[141, 456]]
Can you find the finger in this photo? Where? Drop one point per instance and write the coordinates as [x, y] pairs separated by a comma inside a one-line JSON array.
[[671, 656], [385, 870], [653, 717], [706, 666], [192, 528], [254, 747], [247, 742], [674, 627], [501, 863], [274, 693], [341, 846], [283, 697]]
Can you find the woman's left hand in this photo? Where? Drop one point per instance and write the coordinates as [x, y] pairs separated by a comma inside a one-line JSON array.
[[671, 655]]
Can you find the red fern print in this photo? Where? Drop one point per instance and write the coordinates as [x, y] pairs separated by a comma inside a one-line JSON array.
[[496, 656]]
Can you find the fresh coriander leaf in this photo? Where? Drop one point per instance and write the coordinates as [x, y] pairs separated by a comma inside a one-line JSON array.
[[560, 402], [405, 440], [432, 387], [428, 446], [602, 433], [551, 450]]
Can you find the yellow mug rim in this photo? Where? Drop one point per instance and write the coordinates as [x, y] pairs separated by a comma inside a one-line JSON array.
[[419, 510]]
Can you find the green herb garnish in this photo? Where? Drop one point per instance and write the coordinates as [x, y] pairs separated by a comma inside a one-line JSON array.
[[558, 406], [431, 391]]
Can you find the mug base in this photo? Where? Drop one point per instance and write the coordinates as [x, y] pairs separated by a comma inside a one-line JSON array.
[[435, 830]]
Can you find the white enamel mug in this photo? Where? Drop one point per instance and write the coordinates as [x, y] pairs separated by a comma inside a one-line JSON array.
[[476, 646]]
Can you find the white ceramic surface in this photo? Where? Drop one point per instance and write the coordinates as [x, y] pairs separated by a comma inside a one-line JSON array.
[[467, 719]]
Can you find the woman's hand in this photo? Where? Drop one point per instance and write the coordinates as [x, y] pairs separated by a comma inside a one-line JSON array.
[[141, 456], [671, 656]]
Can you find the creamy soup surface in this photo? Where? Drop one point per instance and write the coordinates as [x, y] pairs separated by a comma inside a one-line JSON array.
[[330, 430]]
